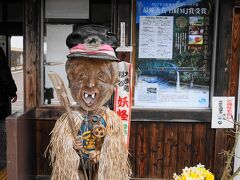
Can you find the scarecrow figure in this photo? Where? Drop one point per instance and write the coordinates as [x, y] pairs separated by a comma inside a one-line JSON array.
[[88, 143]]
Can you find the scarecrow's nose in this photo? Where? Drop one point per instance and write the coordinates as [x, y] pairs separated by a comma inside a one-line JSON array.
[[91, 83]]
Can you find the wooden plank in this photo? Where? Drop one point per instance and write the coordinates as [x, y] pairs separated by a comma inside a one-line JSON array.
[[21, 146], [12, 159], [32, 84], [180, 115], [170, 149], [224, 74], [50, 113], [156, 150], [210, 142], [218, 156], [43, 129], [134, 56], [198, 146], [234, 63], [124, 15], [142, 151], [184, 146], [132, 147]]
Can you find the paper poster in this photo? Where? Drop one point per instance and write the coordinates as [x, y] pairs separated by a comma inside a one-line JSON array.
[[156, 95], [123, 100], [156, 37], [174, 53], [223, 112], [147, 93]]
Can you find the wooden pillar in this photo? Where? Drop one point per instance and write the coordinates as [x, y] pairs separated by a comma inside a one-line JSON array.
[[224, 76], [32, 53]]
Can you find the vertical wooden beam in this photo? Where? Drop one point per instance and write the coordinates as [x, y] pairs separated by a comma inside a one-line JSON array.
[[134, 56], [124, 15], [31, 53], [223, 74], [234, 63]]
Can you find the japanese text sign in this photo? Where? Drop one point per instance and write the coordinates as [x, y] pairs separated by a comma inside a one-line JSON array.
[[122, 100], [223, 112]]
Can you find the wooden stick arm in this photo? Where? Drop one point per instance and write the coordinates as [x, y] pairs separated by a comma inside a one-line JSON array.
[[63, 98]]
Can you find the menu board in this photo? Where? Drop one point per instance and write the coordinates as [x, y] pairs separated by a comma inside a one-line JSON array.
[[174, 53]]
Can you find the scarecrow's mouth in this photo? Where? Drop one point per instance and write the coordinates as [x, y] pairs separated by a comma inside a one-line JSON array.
[[89, 98]]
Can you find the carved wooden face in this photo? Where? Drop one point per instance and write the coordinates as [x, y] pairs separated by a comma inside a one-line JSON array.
[[91, 81]]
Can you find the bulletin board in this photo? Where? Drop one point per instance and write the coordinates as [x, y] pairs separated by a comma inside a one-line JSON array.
[[174, 41]]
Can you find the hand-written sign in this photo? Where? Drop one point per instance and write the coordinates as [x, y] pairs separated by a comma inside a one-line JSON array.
[[122, 100], [223, 112]]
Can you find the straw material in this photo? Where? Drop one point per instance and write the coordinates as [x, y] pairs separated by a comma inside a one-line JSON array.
[[64, 158], [113, 161]]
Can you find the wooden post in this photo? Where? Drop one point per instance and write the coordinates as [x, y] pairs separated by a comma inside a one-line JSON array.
[[32, 52], [223, 76]]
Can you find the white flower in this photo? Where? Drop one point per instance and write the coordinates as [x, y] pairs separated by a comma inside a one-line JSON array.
[[200, 165], [186, 171]]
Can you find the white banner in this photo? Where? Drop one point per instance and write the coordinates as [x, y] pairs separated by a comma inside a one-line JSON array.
[[123, 100], [223, 112]]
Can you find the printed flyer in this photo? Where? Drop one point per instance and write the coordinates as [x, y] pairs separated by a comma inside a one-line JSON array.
[[174, 52]]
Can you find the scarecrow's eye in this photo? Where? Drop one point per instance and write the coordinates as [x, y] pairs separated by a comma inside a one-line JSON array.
[[102, 76], [81, 76]]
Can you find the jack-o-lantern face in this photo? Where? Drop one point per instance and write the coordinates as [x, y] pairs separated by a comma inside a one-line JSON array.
[[91, 81]]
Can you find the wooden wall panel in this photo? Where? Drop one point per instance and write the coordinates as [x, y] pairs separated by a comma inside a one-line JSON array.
[[185, 132], [142, 150], [210, 142], [45, 121], [198, 143], [156, 150], [43, 129], [21, 157], [226, 76], [234, 63], [170, 147], [133, 148]]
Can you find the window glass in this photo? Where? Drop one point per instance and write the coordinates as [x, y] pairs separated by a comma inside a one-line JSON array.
[[60, 18], [55, 51]]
